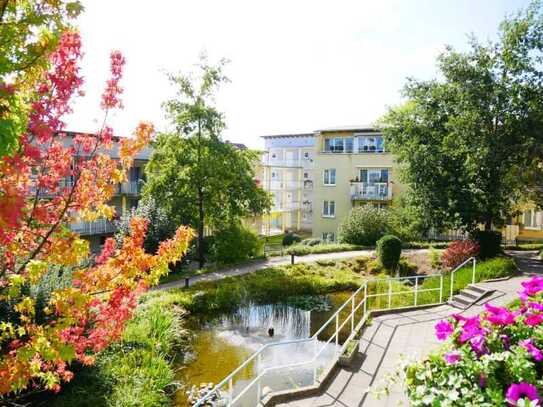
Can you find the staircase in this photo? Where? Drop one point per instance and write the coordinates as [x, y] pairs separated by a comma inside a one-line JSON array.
[[468, 296]]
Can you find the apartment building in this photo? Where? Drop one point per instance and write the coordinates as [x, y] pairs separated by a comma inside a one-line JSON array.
[[126, 197], [317, 178], [352, 168], [287, 172]]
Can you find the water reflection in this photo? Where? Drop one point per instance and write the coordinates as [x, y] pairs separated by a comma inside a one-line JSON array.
[[222, 344]]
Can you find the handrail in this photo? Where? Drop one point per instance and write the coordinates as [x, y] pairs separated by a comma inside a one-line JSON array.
[[261, 370], [458, 268]]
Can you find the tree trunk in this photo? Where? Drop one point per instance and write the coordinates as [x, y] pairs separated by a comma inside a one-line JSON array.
[[201, 259], [488, 223]]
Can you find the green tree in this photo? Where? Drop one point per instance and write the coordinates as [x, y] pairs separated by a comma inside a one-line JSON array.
[[464, 140], [29, 32], [196, 177]]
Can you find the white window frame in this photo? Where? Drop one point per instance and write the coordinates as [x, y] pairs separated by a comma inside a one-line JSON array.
[[362, 140], [336, 141], [327, 177], [326, 212], [533, 214]]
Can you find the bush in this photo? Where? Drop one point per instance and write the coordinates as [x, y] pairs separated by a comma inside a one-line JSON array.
[[405, 267], [290, 238], [302, 250], [364, 226], [458, 252], [234, 244], [160, 226], [489, 243], [503, 351], [389, 250], [312, 241]]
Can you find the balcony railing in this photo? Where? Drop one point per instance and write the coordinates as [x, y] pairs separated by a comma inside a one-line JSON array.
[[375, 191], [98, 227], [280, 185], [130, 187], [304, 162]]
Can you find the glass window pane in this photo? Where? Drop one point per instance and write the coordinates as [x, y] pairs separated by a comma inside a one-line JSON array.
[[349, 145]]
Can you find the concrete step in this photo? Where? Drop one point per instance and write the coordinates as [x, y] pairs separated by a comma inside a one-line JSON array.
[[468, 296]]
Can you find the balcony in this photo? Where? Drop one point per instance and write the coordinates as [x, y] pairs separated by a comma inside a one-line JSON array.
[[377, 191], [98, 227], [282, 185], [285, 206], [130, 187]]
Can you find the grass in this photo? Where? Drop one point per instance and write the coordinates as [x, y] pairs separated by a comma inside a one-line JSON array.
[[137, 371], [525, 246], [265, 286]]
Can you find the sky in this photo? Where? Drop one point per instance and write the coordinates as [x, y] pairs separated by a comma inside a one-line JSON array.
[[295, 66]]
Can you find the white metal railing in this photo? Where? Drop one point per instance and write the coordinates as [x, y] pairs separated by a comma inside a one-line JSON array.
[[100, 226], [474, 261], [377, 191], [279, 185], [373, 295], [130, 187]]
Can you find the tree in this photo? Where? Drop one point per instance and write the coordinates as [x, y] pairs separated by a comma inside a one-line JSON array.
[[462, 141], [44, 185], [29, 32], [160, 226], [196, 177]]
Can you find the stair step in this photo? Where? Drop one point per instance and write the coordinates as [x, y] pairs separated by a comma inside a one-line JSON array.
[[474, 287], [461, 299], [471, 294], [457, 305]]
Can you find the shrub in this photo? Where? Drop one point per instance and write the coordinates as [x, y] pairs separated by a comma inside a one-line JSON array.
[[503, 351], [435, 259], [364, 226], [405, 267], [489, 243], [389, 250], [302, 250], [312, 241], [235, 243], [291, 238], [458, 252]]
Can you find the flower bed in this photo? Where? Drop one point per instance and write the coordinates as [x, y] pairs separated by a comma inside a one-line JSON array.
[[491, 359]]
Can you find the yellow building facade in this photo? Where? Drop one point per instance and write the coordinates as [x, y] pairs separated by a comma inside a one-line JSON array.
[[352, 168]]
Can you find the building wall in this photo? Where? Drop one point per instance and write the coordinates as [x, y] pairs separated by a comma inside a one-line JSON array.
[[347, 167]]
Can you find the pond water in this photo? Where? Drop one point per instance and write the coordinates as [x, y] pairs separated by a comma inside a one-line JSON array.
[[220, 345]]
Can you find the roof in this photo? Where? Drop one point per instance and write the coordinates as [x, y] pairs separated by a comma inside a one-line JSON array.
[[239, 146], [290, 135], [361, 127]]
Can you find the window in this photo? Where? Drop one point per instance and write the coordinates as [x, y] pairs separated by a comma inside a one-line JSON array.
[[274, 155], [329, 176], [374, 175], [274, 174], [338, 145], [306, 154], [328, 236], [306, 175], [371, 144], [531, 219], [329, 209]]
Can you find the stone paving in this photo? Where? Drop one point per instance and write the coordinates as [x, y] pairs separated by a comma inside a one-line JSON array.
[[407, 334]]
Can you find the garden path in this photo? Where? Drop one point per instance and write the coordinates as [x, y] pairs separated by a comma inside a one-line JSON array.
[[256, 265], [409, 335]]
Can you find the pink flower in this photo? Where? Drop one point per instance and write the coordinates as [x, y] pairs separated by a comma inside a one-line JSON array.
[[452, 358], [534, 319], [499, 315], [444, 329], [531, 287], [535, 306], [532, 349], [515, 392]]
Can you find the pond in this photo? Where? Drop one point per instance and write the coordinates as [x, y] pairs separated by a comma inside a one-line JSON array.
[[221, 344]]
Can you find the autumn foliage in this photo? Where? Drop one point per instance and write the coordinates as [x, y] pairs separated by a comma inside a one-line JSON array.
[[51, 180], [458, 252]]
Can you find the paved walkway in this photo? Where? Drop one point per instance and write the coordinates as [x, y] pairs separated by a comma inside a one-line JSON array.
[[405, 334], [272, 261]]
